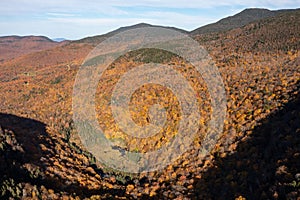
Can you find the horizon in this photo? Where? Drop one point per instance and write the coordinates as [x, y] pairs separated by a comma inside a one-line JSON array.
[[88, 18]]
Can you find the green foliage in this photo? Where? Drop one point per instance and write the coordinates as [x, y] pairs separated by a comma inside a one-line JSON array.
[[56, 80], [34, 173], [10, 188], [151, 55]]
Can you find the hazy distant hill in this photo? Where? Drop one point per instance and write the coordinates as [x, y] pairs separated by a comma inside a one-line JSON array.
[[243, 18], [14, 46], [59, 39]]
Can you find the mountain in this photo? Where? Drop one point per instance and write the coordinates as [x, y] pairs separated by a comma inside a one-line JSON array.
[[59, 39], [256, 157], [143, 25], [245, 17], [15, 46], [100, 38], [277, 33]]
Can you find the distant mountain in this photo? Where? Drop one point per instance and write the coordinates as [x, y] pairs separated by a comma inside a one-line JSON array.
[[59, 39], [14, 38], [236, 21], [14, 46], [99, 38], [143, 25], [241, 19]]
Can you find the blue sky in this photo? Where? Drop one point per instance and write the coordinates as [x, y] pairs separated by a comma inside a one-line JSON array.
[[75, 19]]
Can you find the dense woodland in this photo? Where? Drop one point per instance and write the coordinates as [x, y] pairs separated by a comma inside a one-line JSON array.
[[257, 157]]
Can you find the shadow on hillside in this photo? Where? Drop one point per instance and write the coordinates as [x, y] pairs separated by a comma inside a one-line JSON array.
[[263, 166], [17, 133]]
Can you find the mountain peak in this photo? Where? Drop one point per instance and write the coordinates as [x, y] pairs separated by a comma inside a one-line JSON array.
[[255, 9], [238, 20], [99, 38]]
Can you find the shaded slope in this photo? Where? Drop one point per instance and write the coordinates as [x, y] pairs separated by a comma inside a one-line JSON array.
[[38, 165], [265, 165]]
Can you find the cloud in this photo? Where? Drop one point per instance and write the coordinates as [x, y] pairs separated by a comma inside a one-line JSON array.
[[13, 7], [114, 7], [207, 4], [184, 21], [176, 19], [60, 14], [78, 18], [92, 21]]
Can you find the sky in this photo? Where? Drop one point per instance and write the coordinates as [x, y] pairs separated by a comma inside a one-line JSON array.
[[76, 19]]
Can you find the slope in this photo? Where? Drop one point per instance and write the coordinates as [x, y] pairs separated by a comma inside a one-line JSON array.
[[14, 46], [253, 159], [245, 17]]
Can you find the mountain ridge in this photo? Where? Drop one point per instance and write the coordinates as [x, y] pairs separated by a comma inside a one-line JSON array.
[[238, 20], [33, 37], [256, 157], [16, 46], [99, 38]]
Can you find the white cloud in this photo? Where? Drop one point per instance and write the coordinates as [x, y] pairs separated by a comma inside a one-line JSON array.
[[183, 21], [209, 4], [13, 7], [78, 18], [93, 21], [110, 7], [178, 20], [60, 14]]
